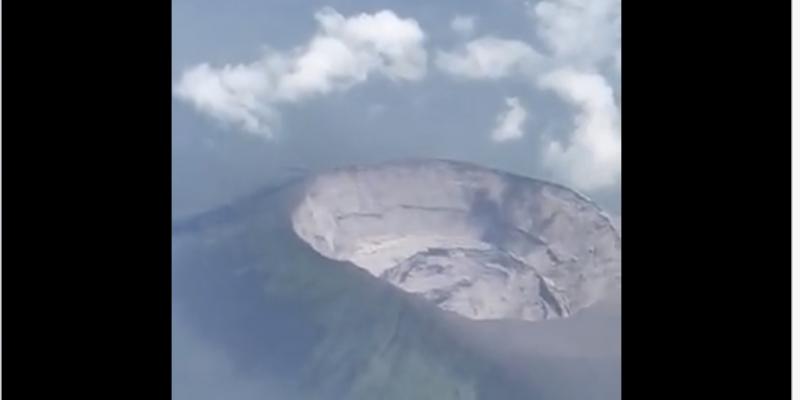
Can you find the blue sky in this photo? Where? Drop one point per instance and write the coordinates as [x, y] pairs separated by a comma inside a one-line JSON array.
[[266, 88]]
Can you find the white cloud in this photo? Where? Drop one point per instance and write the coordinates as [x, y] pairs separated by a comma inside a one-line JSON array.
[[579, 31], [393, 45], [592, 157], [231, 94], [463, 24], [510, 121], [488, 58], [344, 52]]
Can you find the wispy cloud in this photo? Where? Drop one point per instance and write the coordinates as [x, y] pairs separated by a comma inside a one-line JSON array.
[[578, 32], [510, 121], [233, 93], [592, 159], [344, 52], [463, 24], [488, 58]]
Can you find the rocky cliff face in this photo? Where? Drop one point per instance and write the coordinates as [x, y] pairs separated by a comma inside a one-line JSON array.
[[474, 241]]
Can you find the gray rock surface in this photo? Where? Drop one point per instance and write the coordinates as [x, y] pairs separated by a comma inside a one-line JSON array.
[[478, 242]]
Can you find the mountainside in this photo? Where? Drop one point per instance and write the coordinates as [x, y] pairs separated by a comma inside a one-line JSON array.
[[254, 281]]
